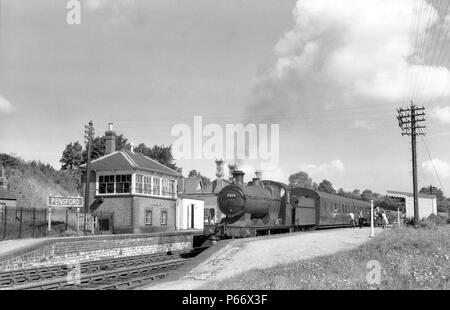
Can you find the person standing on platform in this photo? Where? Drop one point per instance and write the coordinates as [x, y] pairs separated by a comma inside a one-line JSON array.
[[352, 219], [384, 220], [360, 219]]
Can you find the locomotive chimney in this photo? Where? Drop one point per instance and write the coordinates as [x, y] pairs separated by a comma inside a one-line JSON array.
[[110, 140], [238, 177]]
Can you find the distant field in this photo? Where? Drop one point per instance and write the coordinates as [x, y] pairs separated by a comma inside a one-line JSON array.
[[409, 259]]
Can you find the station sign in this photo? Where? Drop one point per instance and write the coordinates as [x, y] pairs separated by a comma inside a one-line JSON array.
[[65, 202]]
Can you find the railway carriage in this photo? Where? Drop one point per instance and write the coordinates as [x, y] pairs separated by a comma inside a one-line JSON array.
[[316, 209]]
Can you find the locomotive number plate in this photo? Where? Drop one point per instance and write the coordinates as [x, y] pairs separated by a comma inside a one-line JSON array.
[[231, 195]]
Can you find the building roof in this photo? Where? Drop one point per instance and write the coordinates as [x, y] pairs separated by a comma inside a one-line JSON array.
[[398, 193], [192, 185], [185, 196], [127, 160], [8, 195], [214, 187]]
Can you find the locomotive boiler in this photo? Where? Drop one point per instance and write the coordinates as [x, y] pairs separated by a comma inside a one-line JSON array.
[[253, 208]]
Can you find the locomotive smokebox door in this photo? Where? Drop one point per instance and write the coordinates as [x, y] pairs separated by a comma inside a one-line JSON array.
[[231, 202]]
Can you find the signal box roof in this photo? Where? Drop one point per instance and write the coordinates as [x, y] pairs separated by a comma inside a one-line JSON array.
[[127, 160]]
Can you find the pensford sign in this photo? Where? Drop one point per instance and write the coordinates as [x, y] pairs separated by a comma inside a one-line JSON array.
[[68, 202]]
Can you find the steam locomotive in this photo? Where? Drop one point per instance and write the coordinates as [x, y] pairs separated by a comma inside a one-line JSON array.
[[264, 207]]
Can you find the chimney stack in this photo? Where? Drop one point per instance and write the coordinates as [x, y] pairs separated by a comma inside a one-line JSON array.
[[238, 177], [110, 140], [219, 169]]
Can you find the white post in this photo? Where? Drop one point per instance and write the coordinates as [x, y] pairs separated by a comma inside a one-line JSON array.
[[372, 233], [49, 218], [78, 219], [398, 217]]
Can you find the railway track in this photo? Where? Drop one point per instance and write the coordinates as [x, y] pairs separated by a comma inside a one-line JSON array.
[[118, 273]]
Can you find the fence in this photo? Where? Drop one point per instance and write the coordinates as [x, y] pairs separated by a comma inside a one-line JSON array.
[[17, 223]]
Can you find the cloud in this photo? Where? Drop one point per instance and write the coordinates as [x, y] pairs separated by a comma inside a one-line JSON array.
[[363, 124], [442, 167], [94, 5], [269, 172], [441, 113], [323, 170], [348, 52], [119, 9], [274, 173], [5, 105]]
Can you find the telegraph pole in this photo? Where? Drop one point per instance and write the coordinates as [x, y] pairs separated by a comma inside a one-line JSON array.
[[409, 120], [89, 133]]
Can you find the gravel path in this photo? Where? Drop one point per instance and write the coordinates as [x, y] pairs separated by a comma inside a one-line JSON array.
[[244, 254]]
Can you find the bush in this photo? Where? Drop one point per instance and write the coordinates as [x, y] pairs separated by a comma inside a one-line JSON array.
[[72, 233], [432, 220]]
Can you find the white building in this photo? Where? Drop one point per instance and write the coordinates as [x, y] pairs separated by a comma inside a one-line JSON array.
[[189, 213], [427, 203]]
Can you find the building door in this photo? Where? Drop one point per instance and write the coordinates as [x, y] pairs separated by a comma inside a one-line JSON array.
[[192, 216]]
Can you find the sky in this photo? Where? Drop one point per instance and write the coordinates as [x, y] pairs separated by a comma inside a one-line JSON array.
[[330, 73]]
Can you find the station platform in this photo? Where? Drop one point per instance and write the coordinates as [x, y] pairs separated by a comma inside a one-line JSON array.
[[28, 253], [234, 256]]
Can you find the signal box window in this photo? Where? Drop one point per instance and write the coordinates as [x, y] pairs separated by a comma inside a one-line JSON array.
[[123, 183], [106, 184], [156, 186], [139, 183]]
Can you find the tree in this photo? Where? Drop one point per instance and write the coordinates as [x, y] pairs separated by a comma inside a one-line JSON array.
[[326, 186], [432, 190], [160, 153], [343, 193], [195, 173], [387, 203], [72, 156], [443, 206], [356, 194], [300, 179], [99, 146], [367, 195]]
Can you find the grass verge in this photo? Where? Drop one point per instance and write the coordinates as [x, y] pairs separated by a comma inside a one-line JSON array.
[[408, 259]]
